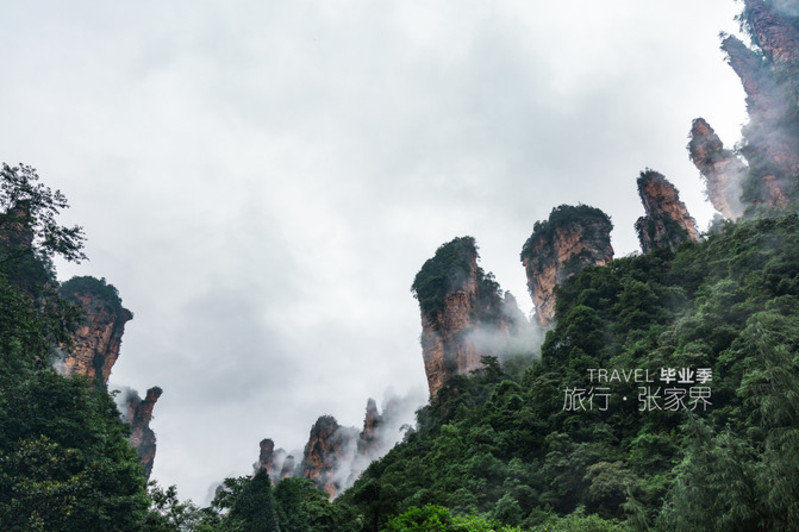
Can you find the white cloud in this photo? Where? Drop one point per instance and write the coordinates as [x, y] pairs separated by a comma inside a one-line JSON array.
[[262, 180]]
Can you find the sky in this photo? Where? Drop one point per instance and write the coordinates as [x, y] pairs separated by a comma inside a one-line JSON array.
[[262, 180]]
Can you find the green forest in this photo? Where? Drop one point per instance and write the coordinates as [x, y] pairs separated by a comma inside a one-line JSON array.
[[696, 429]]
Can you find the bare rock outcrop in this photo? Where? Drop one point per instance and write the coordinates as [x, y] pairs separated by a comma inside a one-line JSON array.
[[571, 239], [775, 35], [369, 439], [335, 456], [667, 223], [98, 340], [464, 314], [722, 170], [328, 446], [138, 413], [95, 350], [277, 463], [769, 76]]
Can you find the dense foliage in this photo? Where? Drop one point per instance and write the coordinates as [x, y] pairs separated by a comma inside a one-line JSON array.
[[107, 293], [591, 219], [451, 268], [65, 463], [507, 449]]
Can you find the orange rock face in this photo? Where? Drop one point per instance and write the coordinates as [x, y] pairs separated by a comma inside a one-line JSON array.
[[778, 39], [572, 238], [722, 170], [97, 342], [334, 456], [667, 222], [328, 446], [96, 346], [464, 314], [772, 136]]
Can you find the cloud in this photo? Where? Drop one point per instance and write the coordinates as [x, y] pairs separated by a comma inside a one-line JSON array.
[[262, 180]]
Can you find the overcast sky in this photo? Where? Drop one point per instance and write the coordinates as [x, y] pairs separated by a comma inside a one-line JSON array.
[[262, 180]]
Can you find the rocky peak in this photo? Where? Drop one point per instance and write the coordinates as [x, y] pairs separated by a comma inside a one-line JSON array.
[[368, 439], [335, 456], [721, 169], [775, 35], [95, 349], [667, 223], [571, 239], [459, 304], [771, 143], [327, 445], [277, 463], [98, 340], [266, 456], [142, 438]]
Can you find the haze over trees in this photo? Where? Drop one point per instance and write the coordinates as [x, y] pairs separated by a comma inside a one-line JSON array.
[[708, 440]]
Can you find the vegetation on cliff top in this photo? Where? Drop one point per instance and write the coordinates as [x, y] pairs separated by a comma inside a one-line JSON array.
[[65, 463], [449, 270], [107, 293], [506, 448], [581, 215]]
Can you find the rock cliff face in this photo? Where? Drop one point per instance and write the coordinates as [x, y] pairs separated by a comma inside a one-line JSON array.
[[571, 239], [98, 340], [667, 223], [334, 456], [771, 139], [139, 412], [328, 446], [722, 170], [368, 438], [772, 32], [464, 313], [96, 346]]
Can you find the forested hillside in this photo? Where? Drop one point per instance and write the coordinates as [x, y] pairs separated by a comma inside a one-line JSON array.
[[663, 397]]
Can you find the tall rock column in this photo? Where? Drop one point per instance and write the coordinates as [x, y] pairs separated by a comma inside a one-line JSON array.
[[98, 340], [328, 445], [95, 349], [461, 306], [667, 223], [771, 139], [142, 438], [776, 36], [722, 170], [571, 239]]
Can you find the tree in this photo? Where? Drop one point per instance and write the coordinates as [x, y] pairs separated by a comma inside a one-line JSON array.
[[29, 219], [254, 508]]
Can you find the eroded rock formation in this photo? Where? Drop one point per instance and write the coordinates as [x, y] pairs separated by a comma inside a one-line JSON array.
[[722, 170], [329, 444], [98, 340], [464, 314], [95, 349], [278, 464], [571, 239], [771, 139], [138, 413], [335, 456], [772, 32], [667, 223], [368, 439]]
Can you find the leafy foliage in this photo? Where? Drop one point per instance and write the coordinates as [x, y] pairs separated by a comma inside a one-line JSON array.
[[65, 463], [505, 448], [592, 219]]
